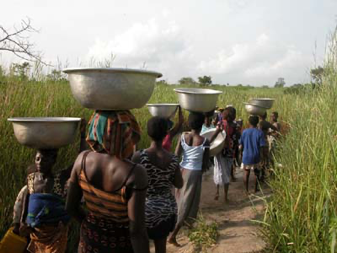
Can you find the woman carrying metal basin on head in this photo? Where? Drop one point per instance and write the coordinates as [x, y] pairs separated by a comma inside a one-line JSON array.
[[39, 209], [113, 187], [195, 157], [163, 173]]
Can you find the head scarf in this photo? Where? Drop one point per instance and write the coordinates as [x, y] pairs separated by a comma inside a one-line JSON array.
[[116, 132]]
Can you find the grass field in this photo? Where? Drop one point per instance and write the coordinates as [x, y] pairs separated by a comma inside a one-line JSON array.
[[302, 213]]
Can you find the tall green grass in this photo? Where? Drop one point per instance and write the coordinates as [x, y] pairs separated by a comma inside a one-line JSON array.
[[302, 215], [49, 98]]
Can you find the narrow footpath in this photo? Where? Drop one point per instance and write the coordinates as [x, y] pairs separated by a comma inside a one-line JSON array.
[[237, 232]]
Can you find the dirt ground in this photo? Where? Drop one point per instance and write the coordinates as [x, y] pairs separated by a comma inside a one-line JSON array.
[[237, 232]]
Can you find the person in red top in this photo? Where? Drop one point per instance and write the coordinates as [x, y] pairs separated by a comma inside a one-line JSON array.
[[167, 142]]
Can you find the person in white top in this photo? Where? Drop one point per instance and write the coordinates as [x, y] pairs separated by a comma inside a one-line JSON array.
[[195, 156]]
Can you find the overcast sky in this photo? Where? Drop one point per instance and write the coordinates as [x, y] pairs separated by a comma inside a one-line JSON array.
[[234, 41]]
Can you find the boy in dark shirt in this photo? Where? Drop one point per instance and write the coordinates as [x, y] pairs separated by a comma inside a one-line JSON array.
[[251, 142]]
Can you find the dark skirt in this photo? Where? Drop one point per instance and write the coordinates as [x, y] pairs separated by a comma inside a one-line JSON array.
[[100, 235], [163, 229]]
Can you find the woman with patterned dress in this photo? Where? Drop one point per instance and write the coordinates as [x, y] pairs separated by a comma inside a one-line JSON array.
[[163, 173], [113, 187]]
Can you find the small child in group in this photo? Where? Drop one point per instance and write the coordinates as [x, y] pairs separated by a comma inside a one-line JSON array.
[[251, 142], [208, 123], [275, 123], [273, 136]]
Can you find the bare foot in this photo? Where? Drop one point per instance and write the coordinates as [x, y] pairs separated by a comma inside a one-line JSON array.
[[173, 241]]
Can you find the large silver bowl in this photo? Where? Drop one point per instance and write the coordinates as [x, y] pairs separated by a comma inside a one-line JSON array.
[[162, 110], [111, 88], [218, 144], [45, 133], [197, 100], [255, 110], [263, 102]]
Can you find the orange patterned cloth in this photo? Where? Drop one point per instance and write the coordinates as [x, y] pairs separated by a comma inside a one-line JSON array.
[[116, 132], [49, 239]]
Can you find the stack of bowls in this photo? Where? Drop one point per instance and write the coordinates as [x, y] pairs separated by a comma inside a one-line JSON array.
[[259, 106]]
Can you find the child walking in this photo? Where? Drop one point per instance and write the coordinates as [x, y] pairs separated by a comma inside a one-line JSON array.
[[252, 141]]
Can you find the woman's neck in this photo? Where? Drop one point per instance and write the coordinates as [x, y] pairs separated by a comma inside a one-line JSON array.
[[156, 145]]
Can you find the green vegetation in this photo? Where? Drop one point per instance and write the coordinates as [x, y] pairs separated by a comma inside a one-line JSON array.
[[302, 215], [204, 234]]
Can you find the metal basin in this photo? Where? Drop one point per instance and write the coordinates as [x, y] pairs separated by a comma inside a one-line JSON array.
[[255, 110], [218, 144], [197, 100], [162, 110], [45, 133], [263, 102], [111, 88]]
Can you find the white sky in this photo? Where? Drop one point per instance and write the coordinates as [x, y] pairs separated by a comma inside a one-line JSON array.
[[234, 41]]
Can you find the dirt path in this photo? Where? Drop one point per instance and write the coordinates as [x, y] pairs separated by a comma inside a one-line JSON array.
[[237, 233]]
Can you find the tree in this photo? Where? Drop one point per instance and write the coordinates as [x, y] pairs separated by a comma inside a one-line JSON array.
[[164, 82], [280, 83], [187, 80], [21, 70], [205, 80], [317, 75], [17, 41]]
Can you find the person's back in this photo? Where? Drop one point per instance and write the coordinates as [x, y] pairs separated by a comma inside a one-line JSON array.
[[163, 174], [113, 187], [160, 171], [106, 184], [193, 146], [251, 140], [195, 151]]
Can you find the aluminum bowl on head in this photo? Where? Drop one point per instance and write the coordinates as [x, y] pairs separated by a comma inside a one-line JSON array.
[[111, 88], [197, 100], [255, 110], [45, 132], [218, 144], [162, 110], [263, 102]]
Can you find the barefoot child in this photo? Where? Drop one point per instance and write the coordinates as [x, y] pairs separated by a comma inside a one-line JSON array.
[[251, 142], [223, 161]]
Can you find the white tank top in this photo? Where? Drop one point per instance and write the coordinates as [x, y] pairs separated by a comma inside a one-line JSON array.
[[192, 155]]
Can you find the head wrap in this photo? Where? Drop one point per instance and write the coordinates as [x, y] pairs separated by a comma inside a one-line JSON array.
[[116, 132]]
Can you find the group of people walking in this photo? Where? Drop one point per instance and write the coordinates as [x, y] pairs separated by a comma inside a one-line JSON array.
[[122, 197]]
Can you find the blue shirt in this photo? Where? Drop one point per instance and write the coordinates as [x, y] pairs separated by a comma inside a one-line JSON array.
[[252, 139]]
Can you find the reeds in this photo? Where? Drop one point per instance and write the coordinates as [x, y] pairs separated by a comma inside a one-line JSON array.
[[302, 214]]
